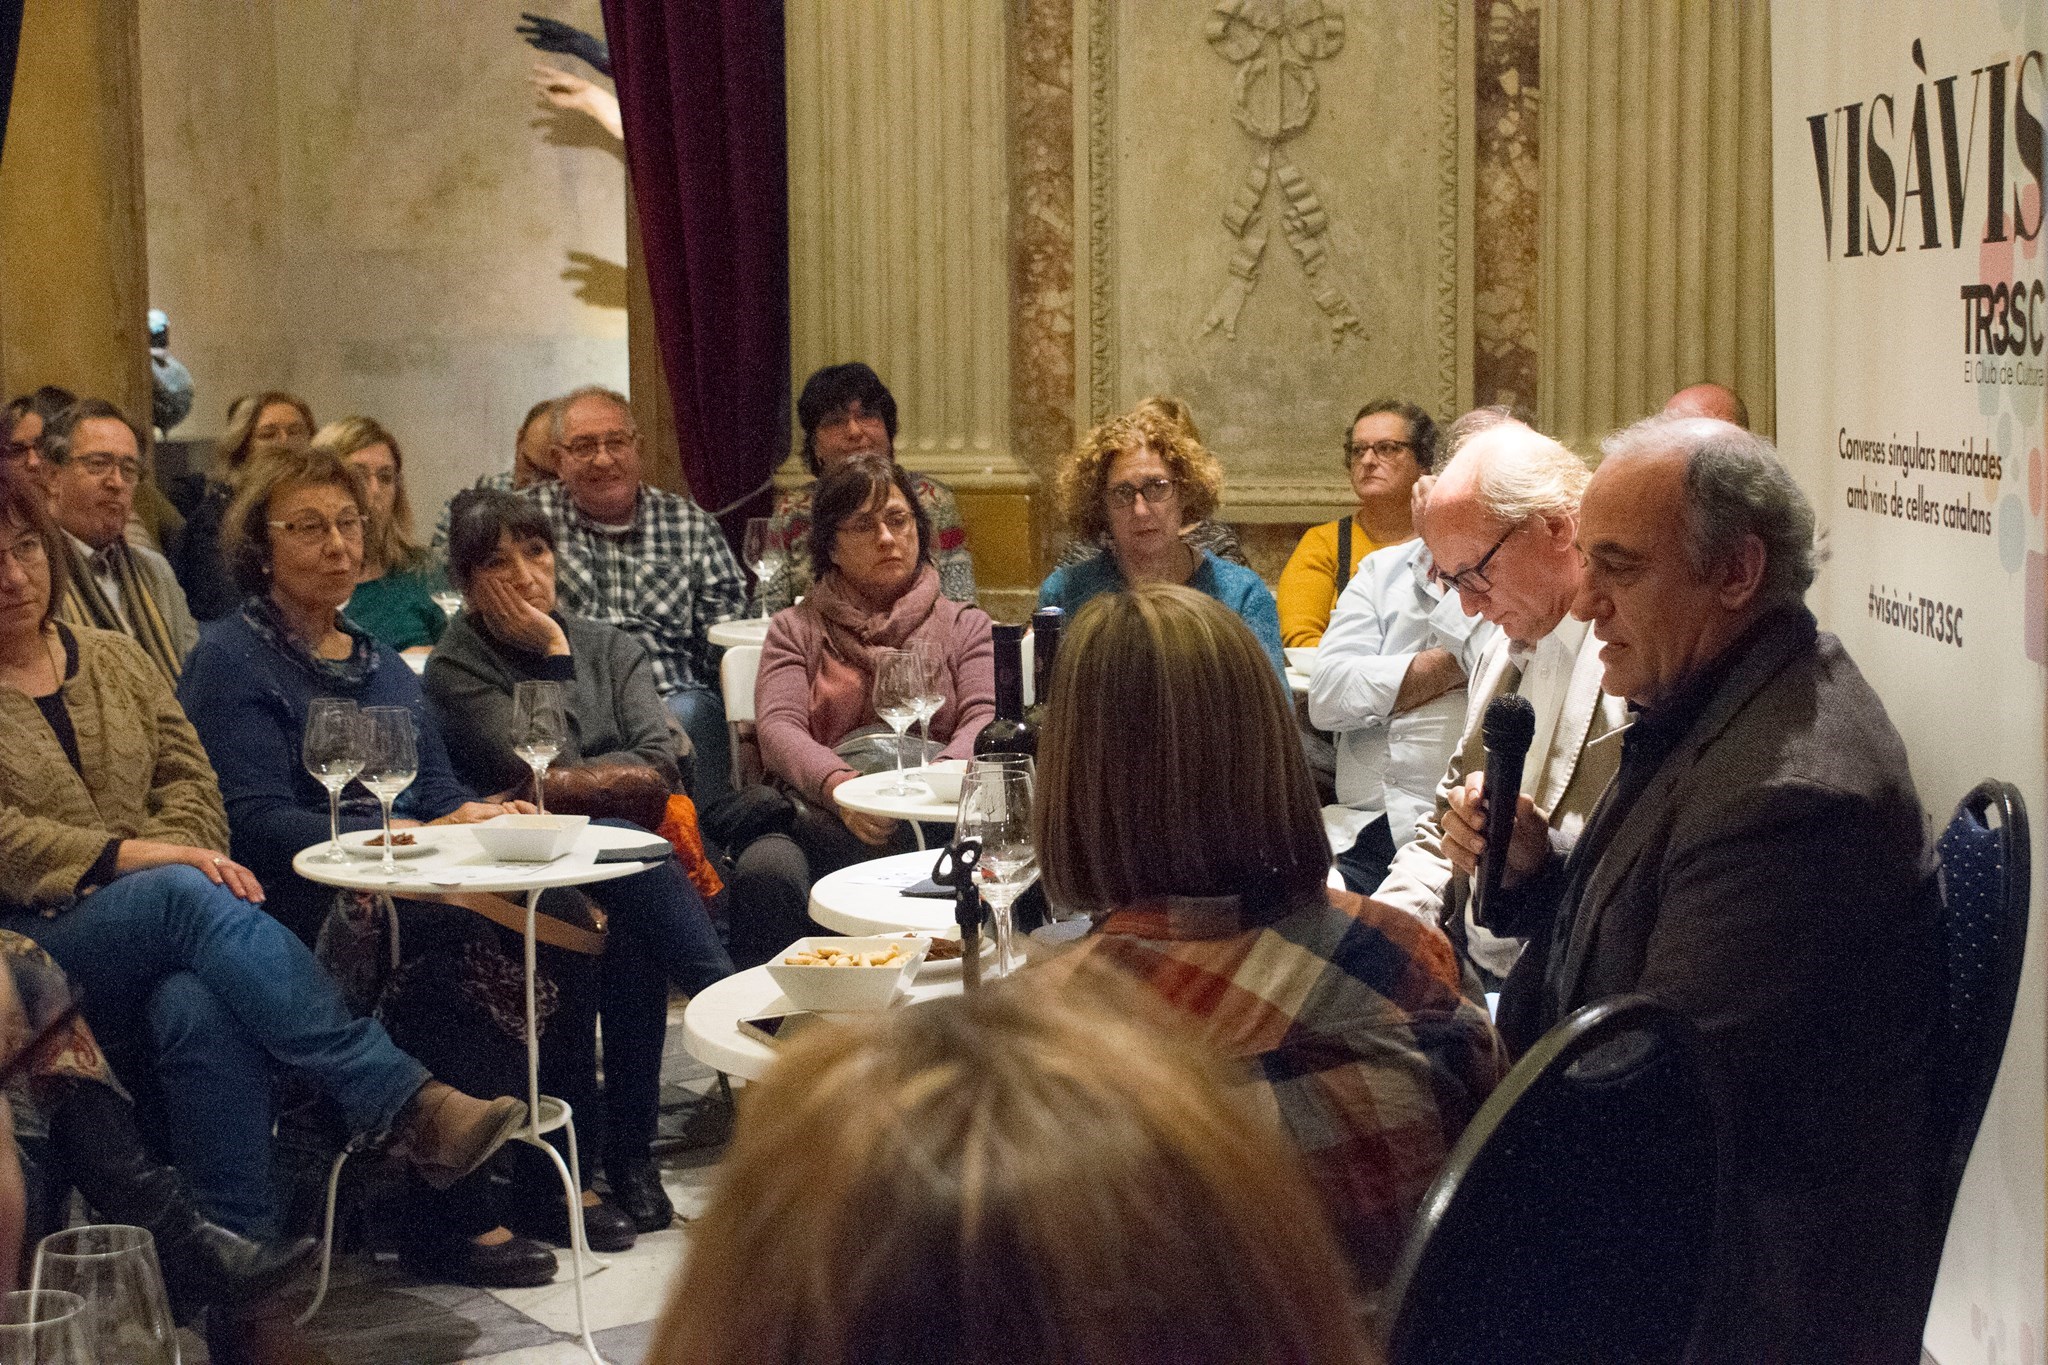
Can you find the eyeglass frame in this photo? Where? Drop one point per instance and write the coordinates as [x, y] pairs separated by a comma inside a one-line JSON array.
[[876, 521], [613, 443], [1474, 579], [39, 556], [329, 526], [1125, 496], [1356, 451], [130, 468]]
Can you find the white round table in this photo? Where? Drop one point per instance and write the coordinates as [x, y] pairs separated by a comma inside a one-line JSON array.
[[866, 899], [747, 630], [459, 863], [865, 795], [711, 1024]]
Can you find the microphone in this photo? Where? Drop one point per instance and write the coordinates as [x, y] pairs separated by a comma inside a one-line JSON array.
[[1509, 726]]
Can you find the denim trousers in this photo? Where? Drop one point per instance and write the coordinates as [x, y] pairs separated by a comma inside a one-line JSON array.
[[701, 713], [172, 967]]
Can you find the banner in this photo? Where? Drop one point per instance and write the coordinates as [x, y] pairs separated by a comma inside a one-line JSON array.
[[1912, 330]]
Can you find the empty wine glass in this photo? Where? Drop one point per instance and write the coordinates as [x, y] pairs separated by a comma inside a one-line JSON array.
[[332, 750], [759, 551], [44, 1327], [540, 727], [995, 808], [899, 680], [113, 1268], [391, 759], [931, 696]]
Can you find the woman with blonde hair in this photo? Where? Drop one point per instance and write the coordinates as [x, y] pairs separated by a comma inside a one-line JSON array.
[[394, 598], [258, 424], [1022, 1175], [1345, 1012]]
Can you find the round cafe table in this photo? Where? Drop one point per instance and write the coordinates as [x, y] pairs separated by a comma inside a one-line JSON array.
[[866, 795], [459, 863], [865, 899], [711, 1024], [748, 630]]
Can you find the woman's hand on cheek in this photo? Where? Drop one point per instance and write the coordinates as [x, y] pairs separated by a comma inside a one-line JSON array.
[[514, 619]]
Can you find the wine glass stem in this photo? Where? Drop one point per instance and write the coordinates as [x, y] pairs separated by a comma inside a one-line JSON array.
[[333, 823], [390, 864], [900, 732], [1005, 962], [540, 786]]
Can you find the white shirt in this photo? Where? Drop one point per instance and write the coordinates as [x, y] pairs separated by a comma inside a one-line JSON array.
[[1390, 764]]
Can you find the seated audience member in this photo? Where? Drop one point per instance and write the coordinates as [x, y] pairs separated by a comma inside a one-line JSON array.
[[394, 600], [258, 425], [95, 458], [874, 587], [1760, 864], [846, 410], [1709, 400], [30, 415], [1203, 533], [533, 461], [1390, 446], [648, 561], [1201, 859], [294, 537], [1500, 524], [1021, 1176], [111, 839], [1129, 485]]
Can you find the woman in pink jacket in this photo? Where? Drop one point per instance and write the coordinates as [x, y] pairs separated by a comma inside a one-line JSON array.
[[875, 589]]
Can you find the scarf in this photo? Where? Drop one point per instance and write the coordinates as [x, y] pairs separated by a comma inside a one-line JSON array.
[[843, 682], [343, 675], [85, 604]]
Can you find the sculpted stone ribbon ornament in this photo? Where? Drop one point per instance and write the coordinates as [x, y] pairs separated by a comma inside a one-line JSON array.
[[1273, 44]]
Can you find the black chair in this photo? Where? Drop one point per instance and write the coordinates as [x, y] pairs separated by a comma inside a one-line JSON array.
[[1986, 873], [1572, 1221]]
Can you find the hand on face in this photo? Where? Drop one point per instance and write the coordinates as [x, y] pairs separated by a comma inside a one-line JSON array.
[[512, 618]]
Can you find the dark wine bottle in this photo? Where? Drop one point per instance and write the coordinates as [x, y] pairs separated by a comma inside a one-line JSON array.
[[1045, 644], [1009, 732]]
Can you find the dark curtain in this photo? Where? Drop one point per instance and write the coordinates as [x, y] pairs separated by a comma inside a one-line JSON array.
[[10, 47], [701, 90]]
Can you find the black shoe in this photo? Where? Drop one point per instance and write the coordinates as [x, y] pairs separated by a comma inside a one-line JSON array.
[[520, 1263], [636, 1189], [605, 1228], [215, 1266]]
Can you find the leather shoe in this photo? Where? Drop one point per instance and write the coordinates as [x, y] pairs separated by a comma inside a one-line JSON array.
[[636, 1189], [217, 1266], [446, 1134], [517, 1263], [605, 1228]]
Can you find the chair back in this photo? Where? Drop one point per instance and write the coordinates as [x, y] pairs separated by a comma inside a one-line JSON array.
[[1572, 1223], [736, 673], [1986, 880]]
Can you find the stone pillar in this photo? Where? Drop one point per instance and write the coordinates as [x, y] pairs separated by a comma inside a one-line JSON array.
[[1656, 209]]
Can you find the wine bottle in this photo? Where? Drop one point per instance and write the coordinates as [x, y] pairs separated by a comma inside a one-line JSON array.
[[1009, 732], [1045, 644]]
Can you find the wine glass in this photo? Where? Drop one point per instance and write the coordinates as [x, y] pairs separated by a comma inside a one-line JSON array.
[[995, 808], [332, 750], [44, 1327], [899, 680], [540, 727], [759, 552], [391, 759], [449, 600], [113, 1269], [931, 696]]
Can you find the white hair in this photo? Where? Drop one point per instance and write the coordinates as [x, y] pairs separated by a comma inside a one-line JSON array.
[[1523, 473]]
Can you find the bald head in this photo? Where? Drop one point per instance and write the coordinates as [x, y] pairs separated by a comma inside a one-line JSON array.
[[1717, 401]]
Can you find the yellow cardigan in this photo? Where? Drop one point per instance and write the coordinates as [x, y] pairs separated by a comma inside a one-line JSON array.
[[1308, 585], [145, 774]]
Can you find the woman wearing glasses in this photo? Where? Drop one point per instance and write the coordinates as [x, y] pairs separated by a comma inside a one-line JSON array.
[[1131, 484], [1390, 446]]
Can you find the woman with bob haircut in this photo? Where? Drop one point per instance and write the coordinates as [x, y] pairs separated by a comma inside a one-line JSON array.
[[395, 599], [1129, 487], [258, 424], [1021, 1176], [1217, 899]]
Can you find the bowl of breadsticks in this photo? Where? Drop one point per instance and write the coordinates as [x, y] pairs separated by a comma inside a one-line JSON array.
[[836, 974]]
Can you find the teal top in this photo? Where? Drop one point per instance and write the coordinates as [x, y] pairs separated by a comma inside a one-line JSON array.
[[398, 609], [1235, 586]]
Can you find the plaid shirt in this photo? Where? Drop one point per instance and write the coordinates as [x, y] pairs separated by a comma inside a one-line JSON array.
[[1359, 1044], [437, 550], [665, 582], [790, 529]]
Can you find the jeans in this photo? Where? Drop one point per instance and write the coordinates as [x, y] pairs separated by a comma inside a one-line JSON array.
[[701, 713], [167, 962]]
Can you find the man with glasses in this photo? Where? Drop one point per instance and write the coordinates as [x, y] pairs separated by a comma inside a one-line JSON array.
[[1499, 526], [94, 456], [648, 561]]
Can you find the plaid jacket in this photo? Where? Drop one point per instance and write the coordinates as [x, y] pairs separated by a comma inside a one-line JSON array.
[[1359, 1044], [789, 529], [665, 582]]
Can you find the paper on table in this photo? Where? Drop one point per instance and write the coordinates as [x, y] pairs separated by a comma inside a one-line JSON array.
[[893, 878]]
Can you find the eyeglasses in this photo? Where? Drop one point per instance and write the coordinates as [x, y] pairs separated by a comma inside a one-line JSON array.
[[899, 524], [587, 448], [22, 450], [29, 552], [1153, 491], [312, 530], [99, 466], [1354, 451], [1474, 579]]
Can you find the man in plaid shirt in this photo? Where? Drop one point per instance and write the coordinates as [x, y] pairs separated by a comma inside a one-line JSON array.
[[648, 561]]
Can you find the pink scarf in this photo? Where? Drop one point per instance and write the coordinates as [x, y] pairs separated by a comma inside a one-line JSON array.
[[842, 685]]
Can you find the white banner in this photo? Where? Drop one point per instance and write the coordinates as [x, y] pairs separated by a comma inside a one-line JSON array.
[[1912, 326]]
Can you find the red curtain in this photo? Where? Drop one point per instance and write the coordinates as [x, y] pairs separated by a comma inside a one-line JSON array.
[[701, 91]]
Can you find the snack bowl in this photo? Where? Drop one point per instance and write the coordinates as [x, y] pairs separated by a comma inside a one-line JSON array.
[[944, 778], [826, 988], [529, 838], [1302, 658]]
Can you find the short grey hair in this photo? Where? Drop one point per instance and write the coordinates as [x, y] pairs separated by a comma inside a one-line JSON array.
[[1735, 488], [558, 412], [1523, 473]]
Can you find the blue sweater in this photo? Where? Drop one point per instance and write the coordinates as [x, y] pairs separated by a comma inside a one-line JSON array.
[[249, 705], [1235, 586]]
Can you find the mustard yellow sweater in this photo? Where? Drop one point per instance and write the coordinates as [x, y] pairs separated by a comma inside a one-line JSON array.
[[1308, 585]]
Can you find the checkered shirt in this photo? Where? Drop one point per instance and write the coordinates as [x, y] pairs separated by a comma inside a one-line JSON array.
[[665, 582], [437, 551], [1349, 1017], [790, 527]]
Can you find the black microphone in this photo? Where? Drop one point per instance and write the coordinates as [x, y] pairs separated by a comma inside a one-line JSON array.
[[1509, 726]]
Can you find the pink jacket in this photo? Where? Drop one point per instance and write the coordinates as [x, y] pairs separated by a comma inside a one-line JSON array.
[[806, 700]]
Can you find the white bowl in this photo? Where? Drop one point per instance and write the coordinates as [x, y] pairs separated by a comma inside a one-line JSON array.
[[833, 989], [529, 838], [944, 778], [1302, 658]]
